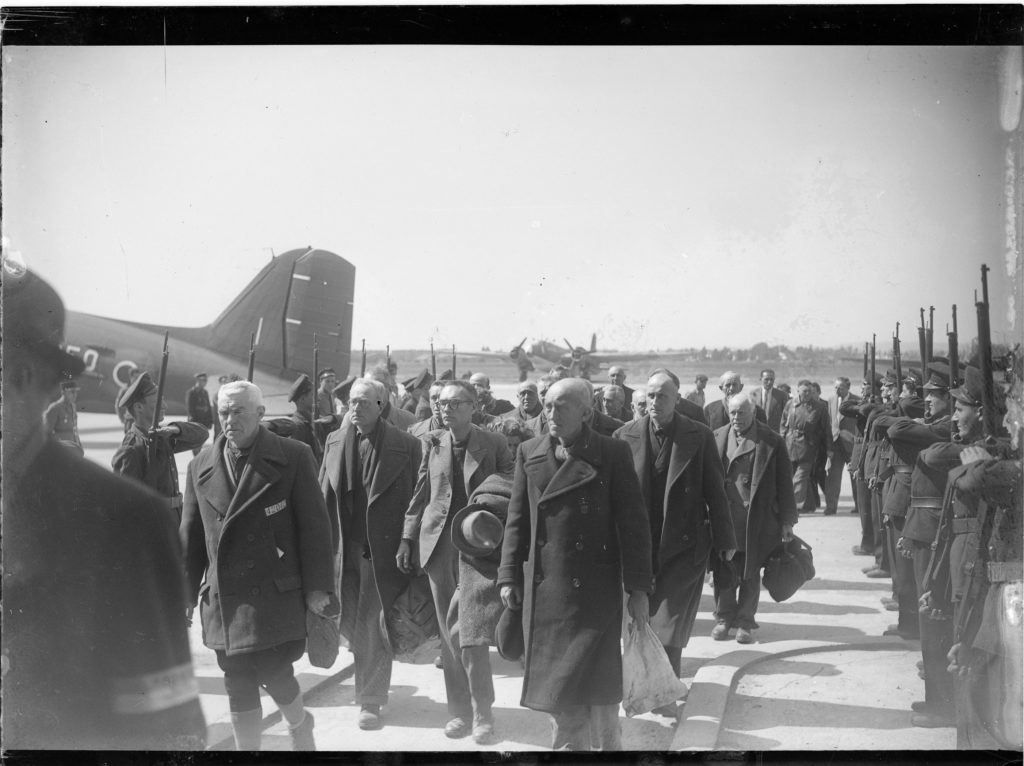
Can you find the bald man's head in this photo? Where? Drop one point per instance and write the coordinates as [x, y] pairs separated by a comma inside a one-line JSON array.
[[662, 397]]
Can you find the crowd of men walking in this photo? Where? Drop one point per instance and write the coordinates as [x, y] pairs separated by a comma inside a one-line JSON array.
[[512, 523]]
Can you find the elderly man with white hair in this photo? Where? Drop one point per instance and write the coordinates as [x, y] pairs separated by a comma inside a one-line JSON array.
[[758, 482], [259, 552], [486, 403], [576, 536], [717, 413]]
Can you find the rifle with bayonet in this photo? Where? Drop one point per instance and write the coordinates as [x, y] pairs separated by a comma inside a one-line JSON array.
[[455, 375], [866, 379], [362, 367], [157, 412], [929, 334], [252, 357], [989, 418], [316, 380], [953, 341], [433, 361], [897, 361], [922, 346], [873, 366]]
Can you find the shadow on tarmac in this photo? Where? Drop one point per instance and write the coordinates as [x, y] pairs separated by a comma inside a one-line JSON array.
[[801, 667], [752, 713], [882, 584], [811, 607]]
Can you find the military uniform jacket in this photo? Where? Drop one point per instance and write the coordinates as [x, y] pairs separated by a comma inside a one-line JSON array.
[[62, 421], [197, 402], [576, 535], [156, 467], [252, 554], [930, 475], [422, 428], [771, 502], [486, 453], [388, 497], [95, 646]]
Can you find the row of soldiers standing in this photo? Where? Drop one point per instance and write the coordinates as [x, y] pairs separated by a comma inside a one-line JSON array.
[[942, 477]]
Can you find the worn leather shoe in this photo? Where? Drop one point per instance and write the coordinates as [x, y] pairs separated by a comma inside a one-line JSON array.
[[721, 631], [483, 730], [457, 728], [858, 551], [369, 717], [744, 636], [932, 720], [868, 568], [906, 635], [875, 574], [890, 603]]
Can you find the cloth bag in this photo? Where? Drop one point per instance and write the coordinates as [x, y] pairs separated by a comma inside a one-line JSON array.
[[411, 624], [648, 680], [788, 567], [322, 635]]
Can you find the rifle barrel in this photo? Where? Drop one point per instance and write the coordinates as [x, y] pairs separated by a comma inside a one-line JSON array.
[[160, 383]]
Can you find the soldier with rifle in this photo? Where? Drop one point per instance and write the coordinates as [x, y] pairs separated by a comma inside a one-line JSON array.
[[853, 408], [148, 449]]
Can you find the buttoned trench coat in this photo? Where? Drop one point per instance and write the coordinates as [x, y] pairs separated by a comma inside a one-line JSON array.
[[252, 555], [576, 536]]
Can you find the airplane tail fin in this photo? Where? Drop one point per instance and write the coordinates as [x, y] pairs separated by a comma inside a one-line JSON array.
[[298, 293], [593, 342]]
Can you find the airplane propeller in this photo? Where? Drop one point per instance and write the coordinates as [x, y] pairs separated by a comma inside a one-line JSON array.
[[517, 350]]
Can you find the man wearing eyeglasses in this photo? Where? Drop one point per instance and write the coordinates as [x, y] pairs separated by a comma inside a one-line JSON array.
[[455, 462]]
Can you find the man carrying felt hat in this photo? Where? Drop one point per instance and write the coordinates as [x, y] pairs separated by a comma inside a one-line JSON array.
[[93, 604], [61, 417], [367, 479], [147, 454]]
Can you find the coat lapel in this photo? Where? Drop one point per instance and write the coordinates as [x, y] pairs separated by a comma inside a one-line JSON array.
[[390, 463], [475, 452], [722, 444], [575, 471], [258, 475], [635, 435], [212, 476], [683, 449], [762, 454]]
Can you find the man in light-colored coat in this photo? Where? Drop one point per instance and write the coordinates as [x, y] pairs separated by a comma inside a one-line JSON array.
[[455, 462]]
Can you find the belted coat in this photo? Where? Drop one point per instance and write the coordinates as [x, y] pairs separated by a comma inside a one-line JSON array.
[[398, 460], [758, 525], [252, 554], [576, 537]]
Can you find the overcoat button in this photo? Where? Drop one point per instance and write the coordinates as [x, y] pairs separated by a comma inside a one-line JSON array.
[[579, 546], [576, 582], [254, 592], [685, 538], [538, 579], [541, 543]]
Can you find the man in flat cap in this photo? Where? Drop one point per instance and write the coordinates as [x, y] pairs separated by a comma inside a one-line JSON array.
[[259, 552], [95, 647], [326, 381], [487, 403], [147, 454], [697, 395], [197, 403], [61, 417], [367, 479], [415, 398]]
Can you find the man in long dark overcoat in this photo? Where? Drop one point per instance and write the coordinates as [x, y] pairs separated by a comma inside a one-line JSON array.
[[258, 554], [683, 488], [367, 478], [759, 484], [576, 536]]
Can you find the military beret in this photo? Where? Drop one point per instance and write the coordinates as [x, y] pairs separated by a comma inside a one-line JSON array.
[[325, 372], [970, 392], [302, 385], [34, 319], [138, 390], [199, 375], [340, 391], [914, 375], [938, 376]]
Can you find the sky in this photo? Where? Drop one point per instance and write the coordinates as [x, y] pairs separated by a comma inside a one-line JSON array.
[[662, 197]]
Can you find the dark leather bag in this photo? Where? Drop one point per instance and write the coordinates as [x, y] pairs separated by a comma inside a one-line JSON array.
[[788, 567]]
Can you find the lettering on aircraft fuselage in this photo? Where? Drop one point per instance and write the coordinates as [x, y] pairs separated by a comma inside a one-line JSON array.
[[121, 372]]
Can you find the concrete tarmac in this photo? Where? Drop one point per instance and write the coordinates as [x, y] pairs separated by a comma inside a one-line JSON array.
[[819, 676]]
